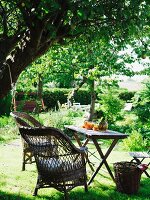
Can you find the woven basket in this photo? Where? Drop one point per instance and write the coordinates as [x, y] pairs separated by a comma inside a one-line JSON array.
[[127, 176]]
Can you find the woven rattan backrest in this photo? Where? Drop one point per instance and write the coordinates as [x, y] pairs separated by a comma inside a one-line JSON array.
[[49, 136], [24, 119], [53, 151]]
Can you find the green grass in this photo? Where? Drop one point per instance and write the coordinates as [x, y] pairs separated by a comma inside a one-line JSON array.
[[19, 185]]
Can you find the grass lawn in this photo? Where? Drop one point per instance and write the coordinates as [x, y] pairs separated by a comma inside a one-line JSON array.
[[19, 185]]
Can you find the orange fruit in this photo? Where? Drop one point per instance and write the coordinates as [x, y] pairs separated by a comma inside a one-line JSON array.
[[95, 128], [88, 125]]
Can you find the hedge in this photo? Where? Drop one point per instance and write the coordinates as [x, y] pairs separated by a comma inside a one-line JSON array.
[[126, 95], [51, 96]]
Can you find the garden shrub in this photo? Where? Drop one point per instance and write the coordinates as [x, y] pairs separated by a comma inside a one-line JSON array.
[[6, 122], [5, 105], [127, 124], [83, 96], [20, 95], [134, 142], [55, 119], [8, 129], [74, 113], [141, 102], [126, 95], [111, 105], [51, 97]]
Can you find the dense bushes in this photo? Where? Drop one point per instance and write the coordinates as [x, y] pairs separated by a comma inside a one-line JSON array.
[[126, 95], [142, 104], [111, 105], [51, 97], [5, 105], [134, 142]]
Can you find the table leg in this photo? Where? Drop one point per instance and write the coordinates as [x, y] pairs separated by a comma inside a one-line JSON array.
[[83, 145], [103, 157], [77, 139]]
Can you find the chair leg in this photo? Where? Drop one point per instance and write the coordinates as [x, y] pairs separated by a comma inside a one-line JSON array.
[[147, 174], [35, 192], [36, 187], [140, 162], [85, 184], [86, 187], [66, 195], [23, 162]]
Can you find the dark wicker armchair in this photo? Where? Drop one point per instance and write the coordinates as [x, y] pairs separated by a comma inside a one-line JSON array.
[[24, 119], [59, 163]]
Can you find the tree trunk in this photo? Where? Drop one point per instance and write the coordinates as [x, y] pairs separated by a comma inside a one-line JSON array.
[[13, 68], [40, 91], [93, 98], [73, 93], [40, 87]]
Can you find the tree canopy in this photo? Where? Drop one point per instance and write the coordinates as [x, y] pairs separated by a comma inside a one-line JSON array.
[[87, 58], [29, 28]]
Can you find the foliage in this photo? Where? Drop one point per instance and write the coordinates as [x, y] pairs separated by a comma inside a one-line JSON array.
[[25, 94], [110, 103], [141, 102], [29, 28], [126, 95], [83, 96], [74, 113], [134, 142], [6, 121], [55, 119], [89, 57], [5, 105], [52, 96], [125, 124], [69, 64], [8, 129]]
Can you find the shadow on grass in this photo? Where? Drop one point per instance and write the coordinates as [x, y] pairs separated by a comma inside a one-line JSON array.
[[96, 191], [74, 195]]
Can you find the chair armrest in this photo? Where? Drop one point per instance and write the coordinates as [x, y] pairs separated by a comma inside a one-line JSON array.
[[84, 149]]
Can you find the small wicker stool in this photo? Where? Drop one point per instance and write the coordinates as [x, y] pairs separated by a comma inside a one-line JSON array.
[[127, 176]]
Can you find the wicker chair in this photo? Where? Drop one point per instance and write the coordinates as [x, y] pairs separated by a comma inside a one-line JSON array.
[[24, 119], [59, 163]]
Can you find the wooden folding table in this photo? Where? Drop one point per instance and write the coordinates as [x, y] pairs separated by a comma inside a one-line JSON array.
[[94, 136]]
